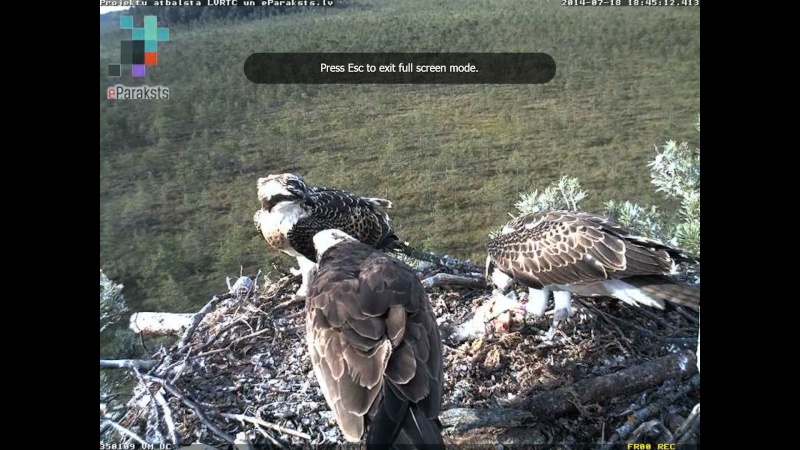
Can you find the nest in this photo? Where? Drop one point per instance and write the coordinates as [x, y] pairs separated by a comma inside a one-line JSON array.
[[611, 373]]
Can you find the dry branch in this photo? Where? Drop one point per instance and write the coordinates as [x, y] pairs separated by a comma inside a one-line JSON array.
[[684, 432], [442, 261], [463, 419], [141, 364], [265, 424], [635, 419], [199, 318], [552, 404], [159, 323], [171, 428], [243, 351], [198, 410], [446, 279], [124, 431]]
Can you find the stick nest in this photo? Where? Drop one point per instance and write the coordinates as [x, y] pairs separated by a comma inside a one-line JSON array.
[[241, 374]]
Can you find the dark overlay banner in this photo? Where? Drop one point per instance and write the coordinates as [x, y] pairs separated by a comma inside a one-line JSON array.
[[400, 68]]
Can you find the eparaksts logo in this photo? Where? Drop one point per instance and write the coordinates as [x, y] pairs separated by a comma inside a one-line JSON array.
[[121, 92]]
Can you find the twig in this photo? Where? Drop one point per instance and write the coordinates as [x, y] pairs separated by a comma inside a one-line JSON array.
[[650, 429], [224, 330], [684, 342], [125, 431], [191, 404], [655, 318], [199, 318], [626, 349], [446, 279], [171, 428], [286, 304], [235, 341], [141, 364], [682, 434], [272, 426], [622, 433], [688, 315], [181, 345]]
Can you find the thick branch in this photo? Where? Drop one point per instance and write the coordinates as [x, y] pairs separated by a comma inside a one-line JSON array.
[[463, 419], [141, 364], [446, 279], [553, 404], [548, 405], [159, 323], [443, 261]]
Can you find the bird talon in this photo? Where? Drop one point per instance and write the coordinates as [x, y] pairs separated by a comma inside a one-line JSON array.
[[561, 315]]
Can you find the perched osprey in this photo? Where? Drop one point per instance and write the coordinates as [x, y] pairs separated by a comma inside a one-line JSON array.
[[292, 212], [374, 345], [585, 254]]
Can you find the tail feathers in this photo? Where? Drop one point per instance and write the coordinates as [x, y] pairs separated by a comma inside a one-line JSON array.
[[400, 424], [667, 289], [419, 432]]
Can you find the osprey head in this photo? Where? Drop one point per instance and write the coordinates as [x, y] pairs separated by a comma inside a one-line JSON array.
[[281, 188], [499, 279], [326, 239]]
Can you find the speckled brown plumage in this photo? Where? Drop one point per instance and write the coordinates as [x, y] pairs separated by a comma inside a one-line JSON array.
[[375, 347], [567, 248], [321, 208]]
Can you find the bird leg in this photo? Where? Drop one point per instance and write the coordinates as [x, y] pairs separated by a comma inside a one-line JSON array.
[[307, 269], [537, 301], [563, 309]]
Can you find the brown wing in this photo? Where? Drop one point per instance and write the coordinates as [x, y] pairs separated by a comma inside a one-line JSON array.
[[361, 217], [369, 325], [558, 247]]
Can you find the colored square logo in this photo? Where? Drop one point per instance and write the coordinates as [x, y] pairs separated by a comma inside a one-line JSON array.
[[115, 70], [141, 49], [126, 22], [137, 70], [126, 52]]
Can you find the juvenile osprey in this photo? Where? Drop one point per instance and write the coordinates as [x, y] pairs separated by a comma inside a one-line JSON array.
[[585, 254], [292, 212], [374, 345]]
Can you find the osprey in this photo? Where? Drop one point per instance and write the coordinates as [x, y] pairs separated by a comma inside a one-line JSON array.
[[585, 254], [292, 212], [374, 345]]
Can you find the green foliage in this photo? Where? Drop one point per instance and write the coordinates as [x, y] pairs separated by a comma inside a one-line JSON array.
[[675, 171], [112, 309], [112, 302], [565, 194], [646, 220], [178, 176]]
